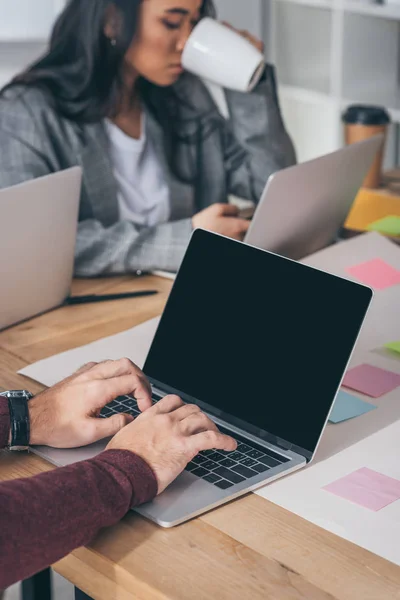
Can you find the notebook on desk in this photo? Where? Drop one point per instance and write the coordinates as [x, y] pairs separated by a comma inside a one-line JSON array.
[[274, 400]]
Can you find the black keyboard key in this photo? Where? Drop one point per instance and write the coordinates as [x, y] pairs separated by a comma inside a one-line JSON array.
[[106, 412], [229, 475], [207, 453], [124, 409], [237, 456], [199, 472], [227, 463], [276, 456], [255, 454], [191, 466], [248, 462], [260, 468], [224, 485], [130, 403], [267, 460], [211, 478], [210, 465], [122, 398], [244, 471], [243, 448], [113, 404], [198, 460], [216, 457]]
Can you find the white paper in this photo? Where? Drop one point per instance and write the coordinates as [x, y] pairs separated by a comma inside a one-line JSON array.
[[302, 494], [134, 344], [164, 274]]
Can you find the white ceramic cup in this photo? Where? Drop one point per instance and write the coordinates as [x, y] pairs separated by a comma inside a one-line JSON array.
[[224, 57]]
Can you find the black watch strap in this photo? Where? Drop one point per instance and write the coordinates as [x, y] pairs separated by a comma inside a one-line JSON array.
[[19, 419]]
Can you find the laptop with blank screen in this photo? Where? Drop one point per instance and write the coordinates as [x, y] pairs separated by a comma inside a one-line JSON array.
[[303, 207], [261, 343]]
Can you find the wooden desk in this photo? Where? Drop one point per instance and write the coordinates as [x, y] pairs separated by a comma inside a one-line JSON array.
[[248, 549]]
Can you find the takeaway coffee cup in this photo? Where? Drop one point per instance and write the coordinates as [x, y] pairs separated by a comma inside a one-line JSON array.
[[220, 55], [362, 122]]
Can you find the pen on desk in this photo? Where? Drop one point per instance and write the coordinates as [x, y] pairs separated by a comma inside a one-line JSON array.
[[107, 297]]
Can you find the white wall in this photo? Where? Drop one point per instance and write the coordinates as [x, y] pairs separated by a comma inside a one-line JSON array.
[[24, 29], [14, 56], [243, 14]]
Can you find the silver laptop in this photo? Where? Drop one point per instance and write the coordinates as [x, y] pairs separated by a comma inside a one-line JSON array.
[[37, 242], [259, 342], [303, 207]]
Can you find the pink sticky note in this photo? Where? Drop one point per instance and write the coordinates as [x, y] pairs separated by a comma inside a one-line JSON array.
[[366, 488], [372, 381], [376, 273]]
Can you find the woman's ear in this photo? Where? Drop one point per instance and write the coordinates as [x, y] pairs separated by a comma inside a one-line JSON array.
[[112, 22]]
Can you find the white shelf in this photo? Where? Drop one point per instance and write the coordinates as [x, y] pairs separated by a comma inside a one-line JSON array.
[[301, 55], [305, 95], [385, 11], [313, 97], [394, 114], [312, 3]]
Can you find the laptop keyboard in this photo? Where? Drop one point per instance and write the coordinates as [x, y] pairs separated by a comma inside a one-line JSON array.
[[122, 404], [217, 467]]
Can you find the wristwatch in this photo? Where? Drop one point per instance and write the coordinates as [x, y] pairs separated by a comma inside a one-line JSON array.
[[19, 418]]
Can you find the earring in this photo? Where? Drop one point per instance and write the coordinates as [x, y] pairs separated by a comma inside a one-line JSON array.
[[113, 42]]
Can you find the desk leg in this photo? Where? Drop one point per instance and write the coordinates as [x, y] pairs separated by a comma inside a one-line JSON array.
[[79, 595], [37, 587]]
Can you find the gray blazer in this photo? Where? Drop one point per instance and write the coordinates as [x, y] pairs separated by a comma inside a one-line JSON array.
[[236, 158]]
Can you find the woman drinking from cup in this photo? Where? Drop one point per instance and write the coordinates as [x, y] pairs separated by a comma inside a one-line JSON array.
[[158, 159]]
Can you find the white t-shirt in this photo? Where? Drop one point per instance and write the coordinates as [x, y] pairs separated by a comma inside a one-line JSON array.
[[143, 194]]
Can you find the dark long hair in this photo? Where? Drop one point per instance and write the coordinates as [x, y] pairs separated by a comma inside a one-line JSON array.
[[82, 71]]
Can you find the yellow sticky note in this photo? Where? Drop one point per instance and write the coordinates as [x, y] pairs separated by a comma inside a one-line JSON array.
[[389, 225], [370, 206], [394, 346]]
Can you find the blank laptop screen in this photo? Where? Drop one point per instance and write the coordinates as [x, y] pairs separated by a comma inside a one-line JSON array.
[[257, 337]]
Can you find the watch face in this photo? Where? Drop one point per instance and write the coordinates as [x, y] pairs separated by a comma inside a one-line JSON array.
[[16, 394]]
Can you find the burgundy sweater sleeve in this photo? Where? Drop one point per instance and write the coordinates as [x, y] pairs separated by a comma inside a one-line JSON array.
[[44, 518]]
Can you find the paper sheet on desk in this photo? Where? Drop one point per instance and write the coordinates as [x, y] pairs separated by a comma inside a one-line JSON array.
[[134, 344], [302, 493]]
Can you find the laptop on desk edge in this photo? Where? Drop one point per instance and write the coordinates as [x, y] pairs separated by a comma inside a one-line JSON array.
[[270, 382], [39, 223]]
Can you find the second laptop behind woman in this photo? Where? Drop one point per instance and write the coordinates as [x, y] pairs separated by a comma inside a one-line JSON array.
[[158, 160]]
